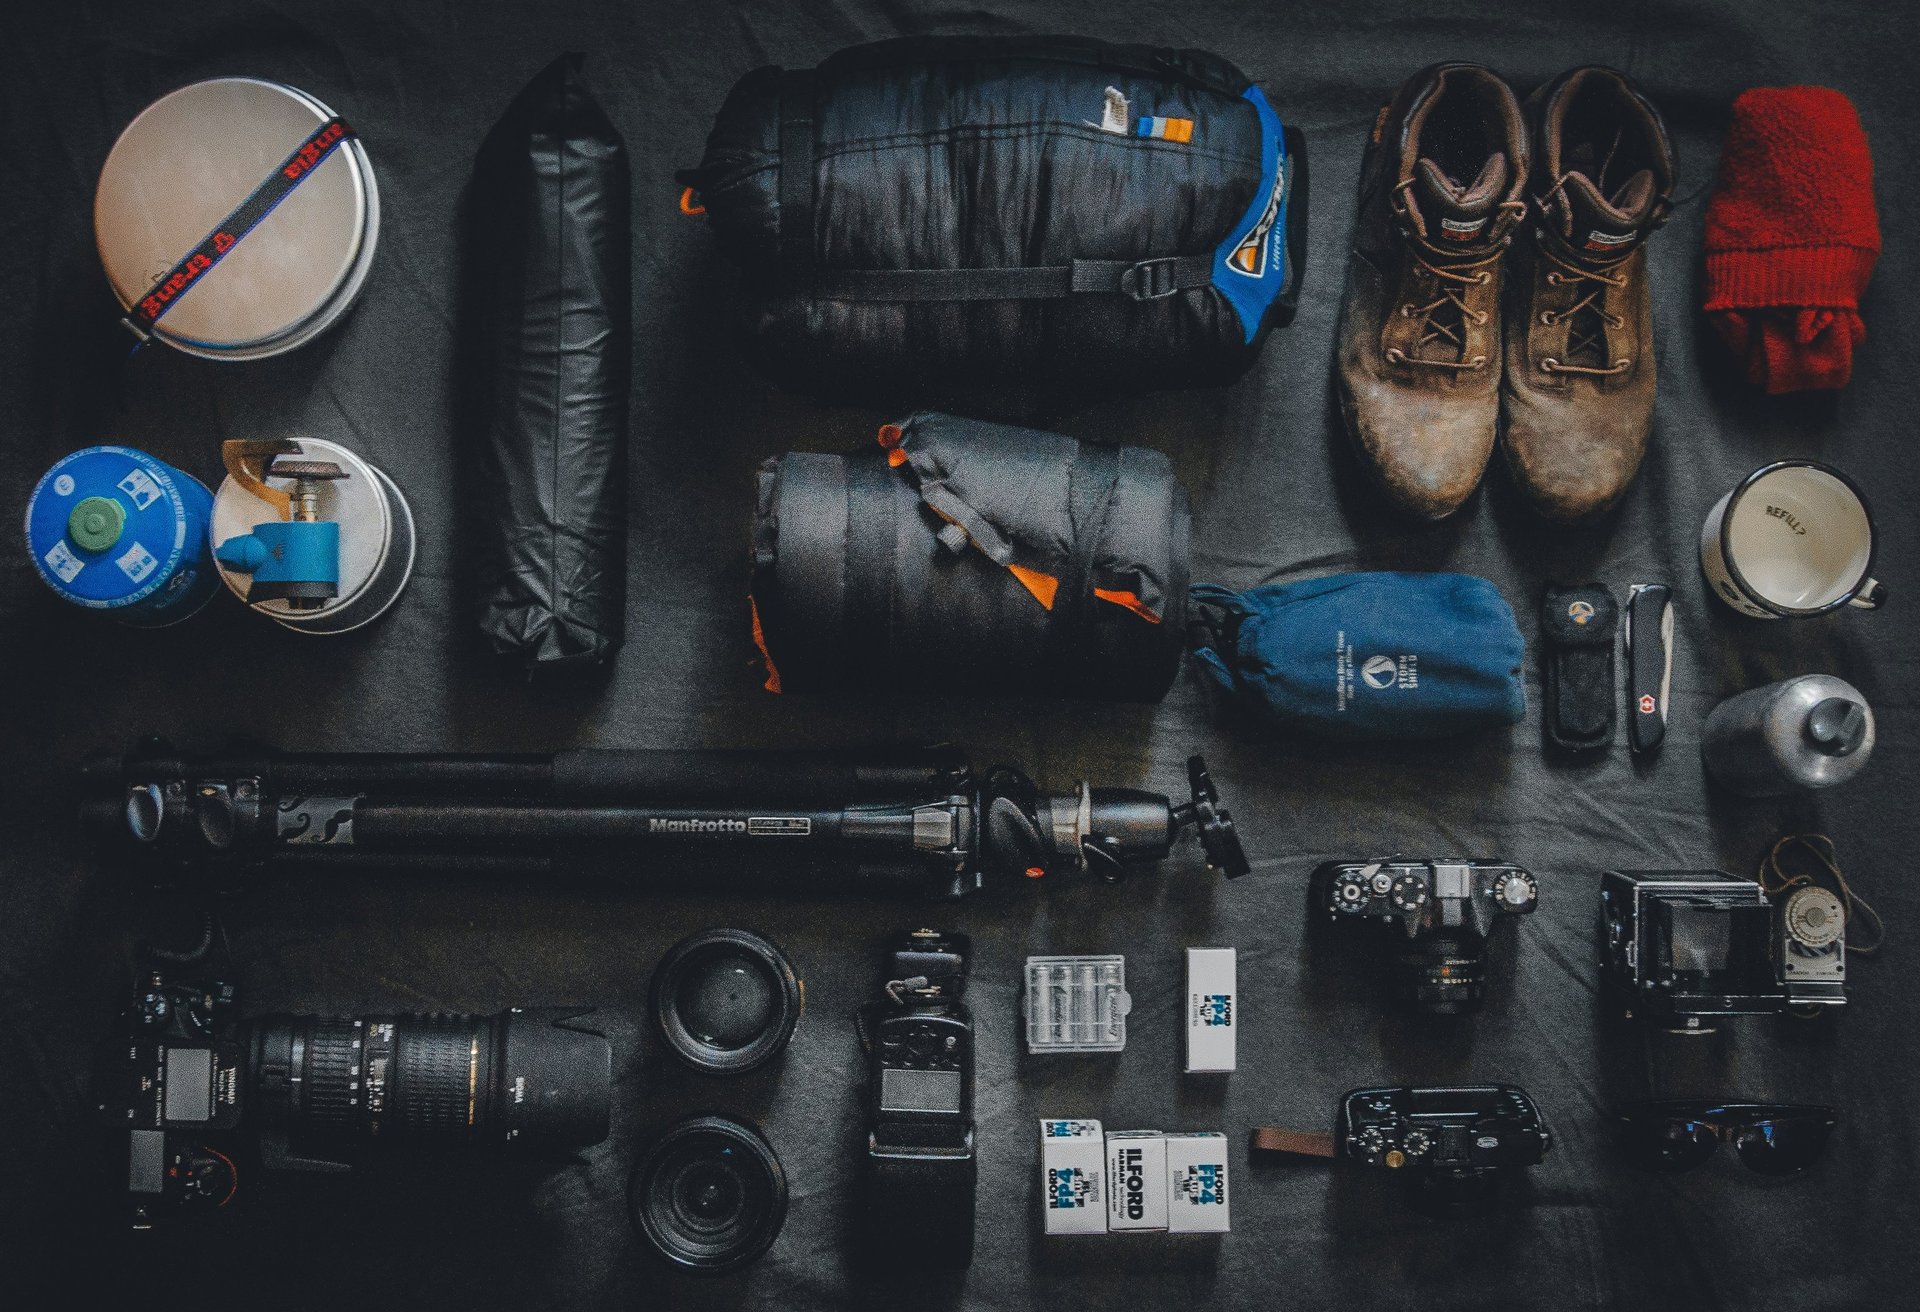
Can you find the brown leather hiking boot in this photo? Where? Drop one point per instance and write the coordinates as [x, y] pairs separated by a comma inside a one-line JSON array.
[[1419, 367], [1579, 385]]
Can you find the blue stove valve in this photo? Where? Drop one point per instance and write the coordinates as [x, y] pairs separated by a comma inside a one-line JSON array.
[[295, 559]]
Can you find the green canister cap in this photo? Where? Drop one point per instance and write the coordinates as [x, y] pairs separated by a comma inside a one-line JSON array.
[[96, 523]]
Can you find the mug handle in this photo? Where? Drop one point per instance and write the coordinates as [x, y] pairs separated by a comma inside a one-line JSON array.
[[1872, 593]]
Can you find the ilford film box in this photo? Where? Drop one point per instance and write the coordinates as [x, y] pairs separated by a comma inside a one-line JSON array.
[[1212, 1010], [1072, 1160], [1196, 1184], [1136, 1180]]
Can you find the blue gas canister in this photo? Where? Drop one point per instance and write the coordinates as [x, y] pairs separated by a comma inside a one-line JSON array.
[[111, 528]]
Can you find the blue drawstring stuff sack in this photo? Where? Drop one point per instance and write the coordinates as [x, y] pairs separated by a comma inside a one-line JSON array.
[[1366, 656]]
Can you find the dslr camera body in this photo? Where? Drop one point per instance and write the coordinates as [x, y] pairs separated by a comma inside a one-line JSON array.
[[199, 1093], [173, 1081], [1445, 908], [921, 1169], [1679, 947], [1452, 1143]]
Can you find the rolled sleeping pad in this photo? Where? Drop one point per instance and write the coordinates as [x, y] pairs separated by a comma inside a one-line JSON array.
[[964, 556], [989, 211]]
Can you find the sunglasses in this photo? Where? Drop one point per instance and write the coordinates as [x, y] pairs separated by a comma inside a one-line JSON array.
[[1679, 1134]]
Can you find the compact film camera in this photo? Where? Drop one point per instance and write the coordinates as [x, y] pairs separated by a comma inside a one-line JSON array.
[[1453, 1143], [1681, 946], [1445, 908], [203, 1097]]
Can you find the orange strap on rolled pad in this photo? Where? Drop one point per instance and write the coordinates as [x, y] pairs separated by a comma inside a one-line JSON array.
[[1298, 1143]]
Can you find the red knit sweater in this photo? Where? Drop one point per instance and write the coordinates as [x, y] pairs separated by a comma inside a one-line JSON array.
[[1792, 236]]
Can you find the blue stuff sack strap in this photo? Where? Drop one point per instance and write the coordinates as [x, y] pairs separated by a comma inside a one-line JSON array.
[[196, 263]]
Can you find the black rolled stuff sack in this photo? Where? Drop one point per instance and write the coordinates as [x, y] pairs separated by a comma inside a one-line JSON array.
[[963, 556], [550, 242], [1041, 212]]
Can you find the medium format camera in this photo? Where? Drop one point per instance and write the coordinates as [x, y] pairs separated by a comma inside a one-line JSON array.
[[200, 1094], [1453, 1142], [918, 1190], [1446, 908], [1680, 946]]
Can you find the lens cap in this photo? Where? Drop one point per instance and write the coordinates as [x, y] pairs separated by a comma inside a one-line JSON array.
[[726, 1001], [709, 1195]]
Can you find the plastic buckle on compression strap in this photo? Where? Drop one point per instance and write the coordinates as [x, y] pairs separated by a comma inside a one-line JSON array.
[[1151, 280]]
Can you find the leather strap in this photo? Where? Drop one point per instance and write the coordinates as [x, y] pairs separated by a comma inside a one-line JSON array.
[[1300, 1143]]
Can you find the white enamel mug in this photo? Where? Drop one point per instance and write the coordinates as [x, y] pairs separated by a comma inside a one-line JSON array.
[[1795, 538]]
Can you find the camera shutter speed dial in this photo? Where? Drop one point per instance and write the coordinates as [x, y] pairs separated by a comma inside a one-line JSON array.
[[1416, 1143], [1350, 892], [1516, 891], [1372, 1140]]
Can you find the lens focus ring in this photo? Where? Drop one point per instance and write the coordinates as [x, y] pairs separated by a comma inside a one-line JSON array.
[[330, 1076]]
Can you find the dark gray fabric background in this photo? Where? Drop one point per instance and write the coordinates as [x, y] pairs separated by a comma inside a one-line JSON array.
[[1275, 496]]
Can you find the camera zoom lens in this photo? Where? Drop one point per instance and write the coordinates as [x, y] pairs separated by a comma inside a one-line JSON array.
[[709, 1195], [517, 1077]]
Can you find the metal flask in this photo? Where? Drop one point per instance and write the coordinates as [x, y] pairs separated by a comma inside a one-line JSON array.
[[1811, 732]]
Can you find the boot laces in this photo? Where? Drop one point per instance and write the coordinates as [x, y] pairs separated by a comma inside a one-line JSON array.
[[1587, 318], [1444, 319]]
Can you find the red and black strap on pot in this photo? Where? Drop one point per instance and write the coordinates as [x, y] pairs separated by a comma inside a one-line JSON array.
[[196, 263]]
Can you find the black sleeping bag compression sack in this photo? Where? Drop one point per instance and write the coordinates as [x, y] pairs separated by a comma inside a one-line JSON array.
[[1036, 211], [961, 556], [550, 333]]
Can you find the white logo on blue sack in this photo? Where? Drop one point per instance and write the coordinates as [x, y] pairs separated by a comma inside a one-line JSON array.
[[1383, 672]]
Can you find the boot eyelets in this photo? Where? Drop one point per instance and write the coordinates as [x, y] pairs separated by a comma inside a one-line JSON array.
[[1483, 277], [1554, 279], [1548, 318], [1406, 312], [1482, 317], [1395, 355], [1549, 365], [1616, 321]]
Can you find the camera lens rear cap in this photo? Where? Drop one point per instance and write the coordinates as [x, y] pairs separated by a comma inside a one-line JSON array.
[[726, 1001]]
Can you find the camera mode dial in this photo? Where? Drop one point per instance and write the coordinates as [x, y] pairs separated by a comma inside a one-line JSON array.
[[1409, 893]]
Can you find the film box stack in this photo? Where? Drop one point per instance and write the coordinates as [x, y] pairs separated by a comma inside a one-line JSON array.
[[1122, 1181]]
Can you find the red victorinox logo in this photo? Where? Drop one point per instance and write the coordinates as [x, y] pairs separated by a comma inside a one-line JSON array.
[[1647, 704]]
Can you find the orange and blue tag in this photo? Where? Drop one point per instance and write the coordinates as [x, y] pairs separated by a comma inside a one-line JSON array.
[[1164, 129]]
